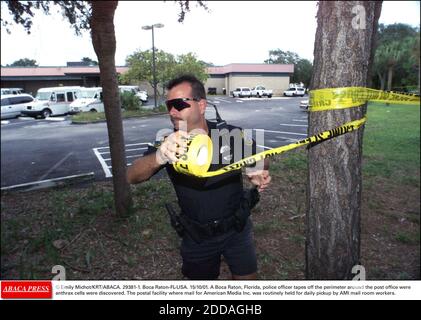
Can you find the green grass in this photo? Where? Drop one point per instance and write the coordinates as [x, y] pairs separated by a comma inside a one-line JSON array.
[[408, 238], [391, 147], [99, 116]]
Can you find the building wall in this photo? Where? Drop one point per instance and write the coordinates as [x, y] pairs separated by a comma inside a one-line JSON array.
[[278, 83], [218, 83]]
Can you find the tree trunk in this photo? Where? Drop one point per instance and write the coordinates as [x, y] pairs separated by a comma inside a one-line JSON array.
[[342, 58], [103, 40], [389, 78], [381, 79]]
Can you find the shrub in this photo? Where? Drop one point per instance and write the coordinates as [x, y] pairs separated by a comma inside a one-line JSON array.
[[129, 101]]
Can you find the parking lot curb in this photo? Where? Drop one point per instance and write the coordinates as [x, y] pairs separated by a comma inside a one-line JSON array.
[[99, 121], [50, 183]]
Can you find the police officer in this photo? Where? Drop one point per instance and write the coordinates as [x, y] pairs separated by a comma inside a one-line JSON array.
[[213, 208]]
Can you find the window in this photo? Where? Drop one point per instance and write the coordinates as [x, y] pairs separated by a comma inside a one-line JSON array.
[[26, 99], [61, 97], [69, 96], [5, 102], [16, 100]]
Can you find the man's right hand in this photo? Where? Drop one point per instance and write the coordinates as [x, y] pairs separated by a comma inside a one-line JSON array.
[[172, 148]]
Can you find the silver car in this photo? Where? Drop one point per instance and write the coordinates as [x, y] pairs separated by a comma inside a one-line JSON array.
[[13, 104]]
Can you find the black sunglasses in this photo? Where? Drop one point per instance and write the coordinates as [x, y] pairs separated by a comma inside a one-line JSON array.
[[179, 103]]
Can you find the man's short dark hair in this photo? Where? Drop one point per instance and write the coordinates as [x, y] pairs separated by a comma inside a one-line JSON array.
[[198, 90]]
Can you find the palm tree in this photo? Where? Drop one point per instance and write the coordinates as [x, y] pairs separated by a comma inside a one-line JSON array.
[[380, 62], [393, 54]]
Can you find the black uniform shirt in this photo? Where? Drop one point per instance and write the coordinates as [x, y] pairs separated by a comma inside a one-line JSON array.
[[208, 199]]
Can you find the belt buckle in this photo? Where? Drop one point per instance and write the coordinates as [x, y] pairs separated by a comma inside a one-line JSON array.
[[215, 226]]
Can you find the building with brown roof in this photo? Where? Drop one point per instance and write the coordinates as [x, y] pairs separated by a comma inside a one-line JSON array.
[[272, 76], [231, 76]]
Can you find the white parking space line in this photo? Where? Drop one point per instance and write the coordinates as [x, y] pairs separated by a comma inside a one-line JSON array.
[[5, 122], [135, 149], [54, 119], [55, 166], [299, 120], [128, 145], [293, 125], [16, 123], [223, 100], [49, 182], [138, 144], [265, 98], [264, 147], [104, 166], [282, 132], [239, 101], [134, 156], [100, 151]]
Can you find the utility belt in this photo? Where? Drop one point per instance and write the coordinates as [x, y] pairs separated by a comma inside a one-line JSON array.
[[200, 232]]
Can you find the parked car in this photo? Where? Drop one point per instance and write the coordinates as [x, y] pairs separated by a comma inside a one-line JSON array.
[[88, 100], [241, 92], [260, 91], [304, 105], [52, 101], [11, 91], [211, 90], [142, 95], [13, 104], [294, 91]]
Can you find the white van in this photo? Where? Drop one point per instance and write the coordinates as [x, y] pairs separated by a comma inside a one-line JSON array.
[[13, 104], [52, 101], [294, 91], [89, 99], [142, 95], [11, 91], [241, 92]]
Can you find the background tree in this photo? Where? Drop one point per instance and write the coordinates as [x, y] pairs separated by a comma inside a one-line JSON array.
[[89, 61], [96, 16], [140, 68], [167, 67], [303, 68], [189, 64], [396, 62], [343, 53], [25, 62]]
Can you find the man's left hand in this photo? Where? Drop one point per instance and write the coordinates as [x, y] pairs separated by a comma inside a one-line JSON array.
[[260, 178]]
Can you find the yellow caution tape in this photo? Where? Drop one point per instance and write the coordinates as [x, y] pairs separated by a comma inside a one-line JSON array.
[[194, 165], [197, 159], [341, 98]]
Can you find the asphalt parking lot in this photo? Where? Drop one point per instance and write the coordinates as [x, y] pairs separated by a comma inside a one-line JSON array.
[[41, 149]]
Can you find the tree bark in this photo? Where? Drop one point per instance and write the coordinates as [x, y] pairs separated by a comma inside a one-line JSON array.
[[104, 42], [381, 79], [342, 58], [389, 77]]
